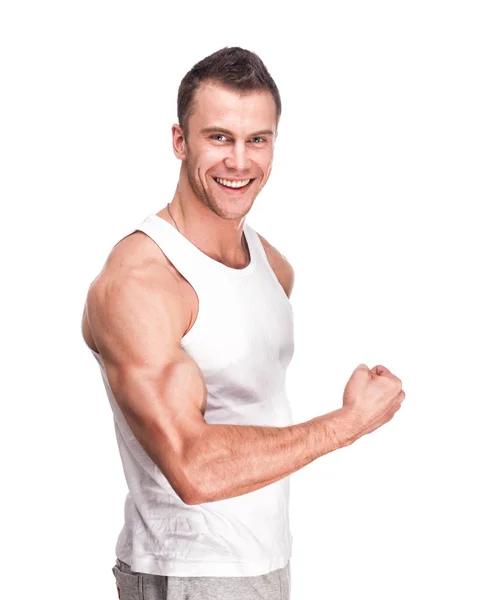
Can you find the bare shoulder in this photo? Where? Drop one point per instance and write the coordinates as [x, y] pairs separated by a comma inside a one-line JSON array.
[[137, 279], [280, 265]]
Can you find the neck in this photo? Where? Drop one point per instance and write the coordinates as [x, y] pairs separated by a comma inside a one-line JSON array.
[[217, 237]]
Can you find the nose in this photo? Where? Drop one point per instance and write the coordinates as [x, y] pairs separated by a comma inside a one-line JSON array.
[[238, 157]]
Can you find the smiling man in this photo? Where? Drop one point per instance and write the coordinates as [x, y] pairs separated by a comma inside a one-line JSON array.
[[191, 325], [228, 152]]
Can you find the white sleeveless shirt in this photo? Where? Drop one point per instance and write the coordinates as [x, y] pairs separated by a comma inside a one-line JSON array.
[[243, 342]]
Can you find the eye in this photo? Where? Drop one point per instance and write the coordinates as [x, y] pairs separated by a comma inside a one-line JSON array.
[[258, 140], [217, 137]]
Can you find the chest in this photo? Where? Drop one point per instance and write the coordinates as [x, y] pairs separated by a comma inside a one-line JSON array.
[[243, 337], [190, 299]]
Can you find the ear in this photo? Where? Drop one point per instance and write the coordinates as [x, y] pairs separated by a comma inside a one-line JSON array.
[[179, 143]]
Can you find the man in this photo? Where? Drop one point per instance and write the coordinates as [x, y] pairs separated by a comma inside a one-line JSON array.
[[191, 324]]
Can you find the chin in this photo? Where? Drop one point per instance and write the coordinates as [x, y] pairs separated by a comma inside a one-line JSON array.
[[230, 210]]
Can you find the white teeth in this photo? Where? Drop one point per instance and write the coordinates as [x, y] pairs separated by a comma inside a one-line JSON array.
[[233, 184]]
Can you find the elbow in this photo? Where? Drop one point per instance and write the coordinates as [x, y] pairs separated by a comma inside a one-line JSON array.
[[191, 496], [196, 490], [191, 499], [190, 492], [194, 481], [190, 477]]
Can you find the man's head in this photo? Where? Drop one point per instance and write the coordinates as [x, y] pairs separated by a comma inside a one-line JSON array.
[[228, 110], [234, 68]]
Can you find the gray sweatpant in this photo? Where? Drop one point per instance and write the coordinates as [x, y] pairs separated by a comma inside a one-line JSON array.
[[144, 586]]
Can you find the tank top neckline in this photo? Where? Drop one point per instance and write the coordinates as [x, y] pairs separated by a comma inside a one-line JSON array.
[[216, 264]]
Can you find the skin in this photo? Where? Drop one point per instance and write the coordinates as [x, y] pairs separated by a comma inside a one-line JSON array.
[[231, 136], [139, 308]]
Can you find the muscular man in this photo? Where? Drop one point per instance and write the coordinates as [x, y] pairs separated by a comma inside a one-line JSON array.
[[191, 325]]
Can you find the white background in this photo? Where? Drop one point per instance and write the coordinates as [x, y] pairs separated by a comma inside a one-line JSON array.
[[374, 198]]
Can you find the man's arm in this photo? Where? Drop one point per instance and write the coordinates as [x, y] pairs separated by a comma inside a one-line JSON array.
[[136, 322], [231, 460]]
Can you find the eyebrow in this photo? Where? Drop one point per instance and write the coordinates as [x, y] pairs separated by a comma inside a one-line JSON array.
[[221, 130]]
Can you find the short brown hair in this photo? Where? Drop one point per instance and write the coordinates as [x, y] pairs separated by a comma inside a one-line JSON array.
[[236, 68]]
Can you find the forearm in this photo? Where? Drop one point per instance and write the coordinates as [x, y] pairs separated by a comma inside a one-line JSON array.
[[231, 460]]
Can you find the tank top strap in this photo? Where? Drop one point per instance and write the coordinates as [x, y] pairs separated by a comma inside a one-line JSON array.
[[184, 255], [256, 247], [189, 260]]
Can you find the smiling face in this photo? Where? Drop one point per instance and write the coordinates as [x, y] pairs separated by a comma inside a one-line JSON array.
[[229, 149]]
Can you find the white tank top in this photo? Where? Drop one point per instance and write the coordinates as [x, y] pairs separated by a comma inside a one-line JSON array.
[[242, 341]]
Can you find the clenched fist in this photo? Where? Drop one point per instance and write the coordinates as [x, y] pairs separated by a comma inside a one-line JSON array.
[[372, 396]]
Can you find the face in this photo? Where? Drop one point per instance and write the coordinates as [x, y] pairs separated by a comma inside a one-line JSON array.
[[229, 149]]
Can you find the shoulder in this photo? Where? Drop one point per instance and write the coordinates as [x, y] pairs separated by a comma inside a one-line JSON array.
[[134, 263], [280, 265], [136, 281], [137, 258]]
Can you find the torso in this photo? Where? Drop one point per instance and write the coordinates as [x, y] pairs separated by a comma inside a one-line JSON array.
[[138, 244]]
